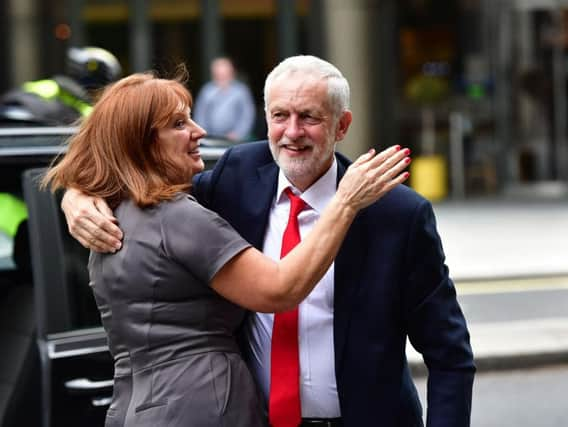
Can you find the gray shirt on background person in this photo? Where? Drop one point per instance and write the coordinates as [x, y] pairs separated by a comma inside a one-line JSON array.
[[224, 111]]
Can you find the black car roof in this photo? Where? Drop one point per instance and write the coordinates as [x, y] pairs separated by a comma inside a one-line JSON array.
[[50, 141]]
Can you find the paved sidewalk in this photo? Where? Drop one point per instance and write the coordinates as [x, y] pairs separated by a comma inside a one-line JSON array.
[[493, 239], [507, 241], [512, 344]]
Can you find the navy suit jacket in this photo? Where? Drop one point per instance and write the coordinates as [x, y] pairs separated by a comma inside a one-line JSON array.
[[390, 282]]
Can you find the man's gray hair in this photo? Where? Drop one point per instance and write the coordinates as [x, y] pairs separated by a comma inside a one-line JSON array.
[[337, 85]]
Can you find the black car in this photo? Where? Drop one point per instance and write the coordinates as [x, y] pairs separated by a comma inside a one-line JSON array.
[[55, 368]]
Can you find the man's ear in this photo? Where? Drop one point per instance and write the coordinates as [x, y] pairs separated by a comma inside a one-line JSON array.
[[343, 125]]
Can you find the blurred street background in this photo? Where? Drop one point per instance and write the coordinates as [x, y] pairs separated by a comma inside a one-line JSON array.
[[476, 88], [508, 259]]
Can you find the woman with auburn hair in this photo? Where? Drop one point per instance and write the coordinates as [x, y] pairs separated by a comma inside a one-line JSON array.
[[172, 298]]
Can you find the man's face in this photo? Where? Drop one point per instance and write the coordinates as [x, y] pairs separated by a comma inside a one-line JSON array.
[[302, 130]]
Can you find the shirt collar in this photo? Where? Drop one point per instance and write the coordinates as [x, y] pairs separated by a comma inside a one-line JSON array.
[[318, 195]]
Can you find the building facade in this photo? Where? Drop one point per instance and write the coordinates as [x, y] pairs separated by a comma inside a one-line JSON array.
[[477, 88]]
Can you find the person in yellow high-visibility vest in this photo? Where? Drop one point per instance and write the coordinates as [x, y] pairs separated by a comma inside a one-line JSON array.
[[12, 212], [14, 232], [62, 99]]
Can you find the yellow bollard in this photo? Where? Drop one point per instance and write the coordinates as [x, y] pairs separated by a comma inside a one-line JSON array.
[[429, 177]]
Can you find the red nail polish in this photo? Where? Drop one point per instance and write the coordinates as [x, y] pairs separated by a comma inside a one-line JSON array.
[[406, 174], [407, 151], [397, 147], [407, 160]]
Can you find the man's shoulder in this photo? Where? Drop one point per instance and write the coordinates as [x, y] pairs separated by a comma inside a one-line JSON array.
[[406, 194], [243, 160], [401, 197], [245, 157], [252, 150], [401, 200]]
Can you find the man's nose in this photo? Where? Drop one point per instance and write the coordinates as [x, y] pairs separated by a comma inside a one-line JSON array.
[[294, 129]]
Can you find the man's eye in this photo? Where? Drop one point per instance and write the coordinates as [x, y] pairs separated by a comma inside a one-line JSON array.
[[311, 119]]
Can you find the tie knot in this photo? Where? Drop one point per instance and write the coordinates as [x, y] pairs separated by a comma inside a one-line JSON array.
[[296, 203]]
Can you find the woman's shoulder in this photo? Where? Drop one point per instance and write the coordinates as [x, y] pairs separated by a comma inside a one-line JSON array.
[[181, 206], [181, 201], [183, 217]]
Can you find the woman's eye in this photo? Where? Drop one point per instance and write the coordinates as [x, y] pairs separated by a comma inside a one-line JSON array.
[[180, 123]]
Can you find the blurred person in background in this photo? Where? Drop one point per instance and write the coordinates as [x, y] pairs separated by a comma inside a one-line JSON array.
[[62, 99], [225, 106]]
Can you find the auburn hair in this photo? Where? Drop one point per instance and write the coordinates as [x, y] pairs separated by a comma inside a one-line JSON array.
[[114, 154]]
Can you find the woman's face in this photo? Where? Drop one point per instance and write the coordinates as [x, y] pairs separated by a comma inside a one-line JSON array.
[[179, 141]]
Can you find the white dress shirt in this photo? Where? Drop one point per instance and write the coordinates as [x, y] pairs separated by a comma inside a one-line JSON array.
[[318, 387]]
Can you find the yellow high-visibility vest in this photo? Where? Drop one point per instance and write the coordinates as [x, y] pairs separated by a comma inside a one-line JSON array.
[[12, 212], [50, 90]]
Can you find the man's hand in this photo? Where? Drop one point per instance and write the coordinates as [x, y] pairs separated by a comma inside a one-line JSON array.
[[91, 222]]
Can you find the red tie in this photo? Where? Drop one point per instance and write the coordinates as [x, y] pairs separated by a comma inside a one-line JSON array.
[[284, 408]]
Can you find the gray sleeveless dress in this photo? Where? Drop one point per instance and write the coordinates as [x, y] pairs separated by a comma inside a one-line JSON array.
[[172, 337]]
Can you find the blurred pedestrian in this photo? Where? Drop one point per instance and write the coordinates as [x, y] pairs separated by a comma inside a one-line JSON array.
[[61, 99], [225, 106]]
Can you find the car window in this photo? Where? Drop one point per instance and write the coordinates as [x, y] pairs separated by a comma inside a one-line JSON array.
[[21, 149], [6, 251], [12, 213]]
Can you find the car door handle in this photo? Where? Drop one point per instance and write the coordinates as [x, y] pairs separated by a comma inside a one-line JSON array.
[[85, 384], [98, 402]]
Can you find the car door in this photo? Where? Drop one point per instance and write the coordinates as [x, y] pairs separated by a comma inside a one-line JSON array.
[[20, 368], [75, 363]]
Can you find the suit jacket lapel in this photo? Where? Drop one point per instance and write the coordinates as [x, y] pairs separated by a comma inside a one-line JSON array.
[[260, 192], [347, 279]]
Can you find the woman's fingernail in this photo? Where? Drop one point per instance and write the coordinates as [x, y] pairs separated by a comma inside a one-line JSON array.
[[407, 151], [406, 174], [397, 147], [407, 160]]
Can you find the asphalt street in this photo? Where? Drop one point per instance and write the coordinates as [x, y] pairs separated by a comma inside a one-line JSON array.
[[517, 398]]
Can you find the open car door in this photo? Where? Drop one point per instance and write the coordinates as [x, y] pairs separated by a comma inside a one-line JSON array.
[[76, 366]]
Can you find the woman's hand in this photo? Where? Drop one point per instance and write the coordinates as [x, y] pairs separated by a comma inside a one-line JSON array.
[[91, 222], [372, 176]]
